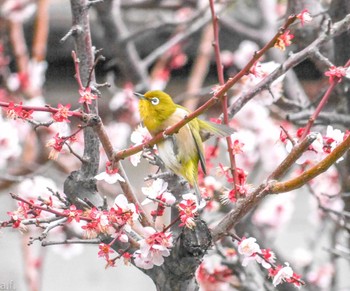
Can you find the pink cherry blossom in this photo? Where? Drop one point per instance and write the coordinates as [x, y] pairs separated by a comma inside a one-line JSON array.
[[248, 246], [153, 248], [332, 138], [284, 40], [37, 186], [62, 113], [188, 209], [266, 258], [212, 274], [86, 96], [18, 10], [244, 53], [322, 276], [142, 262], [123, 212], [124, 99], [73, 213], [336, 74], [139, 136], [275, 212], [283, 275], [105, 250], [56, 144], [158, 191], [111, 176], [304, 17]]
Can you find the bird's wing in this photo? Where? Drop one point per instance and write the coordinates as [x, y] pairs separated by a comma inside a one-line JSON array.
[[199, 145]]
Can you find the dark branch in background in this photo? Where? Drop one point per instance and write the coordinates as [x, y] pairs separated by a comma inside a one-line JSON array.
[[115, 29], [155, 4], [164, 23], [194, 27], [302, 117]]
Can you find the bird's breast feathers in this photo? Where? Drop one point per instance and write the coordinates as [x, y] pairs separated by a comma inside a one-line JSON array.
[[179, 148]]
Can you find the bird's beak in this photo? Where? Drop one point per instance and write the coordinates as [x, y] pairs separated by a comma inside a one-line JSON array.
[[140, 96]]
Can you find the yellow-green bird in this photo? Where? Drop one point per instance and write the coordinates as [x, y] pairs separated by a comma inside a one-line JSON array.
[[182, 151]]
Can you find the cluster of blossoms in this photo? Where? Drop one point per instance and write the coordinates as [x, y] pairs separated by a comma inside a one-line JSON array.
[[212, 274], [16, 111], [110, 175], [241, 187], [139, 136], [158, 193], [336, 74], [153, 248], [285, 39], [59, 115], [251, 251], [116, 222], [322, 146], [188, 208]]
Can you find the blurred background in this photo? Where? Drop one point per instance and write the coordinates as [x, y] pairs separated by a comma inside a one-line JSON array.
[[167, 45]]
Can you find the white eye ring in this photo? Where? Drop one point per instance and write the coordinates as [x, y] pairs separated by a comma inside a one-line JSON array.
[[155, 101]]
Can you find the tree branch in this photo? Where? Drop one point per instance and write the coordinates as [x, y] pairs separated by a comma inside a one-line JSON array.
[[291, 62]]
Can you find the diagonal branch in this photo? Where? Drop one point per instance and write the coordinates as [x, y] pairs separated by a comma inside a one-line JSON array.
[[126, 186], [313, 172]]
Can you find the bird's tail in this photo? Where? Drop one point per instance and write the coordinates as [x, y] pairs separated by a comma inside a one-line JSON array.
[[220, 130], [197, 192]]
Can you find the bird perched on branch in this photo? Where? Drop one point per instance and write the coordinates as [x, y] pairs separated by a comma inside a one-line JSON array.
[[180, 152]]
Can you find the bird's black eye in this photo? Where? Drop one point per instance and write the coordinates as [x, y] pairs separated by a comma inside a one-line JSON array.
[[155, 101]]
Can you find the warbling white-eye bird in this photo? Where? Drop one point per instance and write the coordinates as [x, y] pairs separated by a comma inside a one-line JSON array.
[[180, 152]]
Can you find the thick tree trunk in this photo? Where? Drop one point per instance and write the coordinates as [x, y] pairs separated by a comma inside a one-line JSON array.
[[81, 184]]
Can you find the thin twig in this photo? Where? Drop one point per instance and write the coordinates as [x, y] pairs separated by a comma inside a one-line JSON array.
[[220, 73], [334, 82], [47, 208], [40, 108], [71, 241], [74, 30]]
